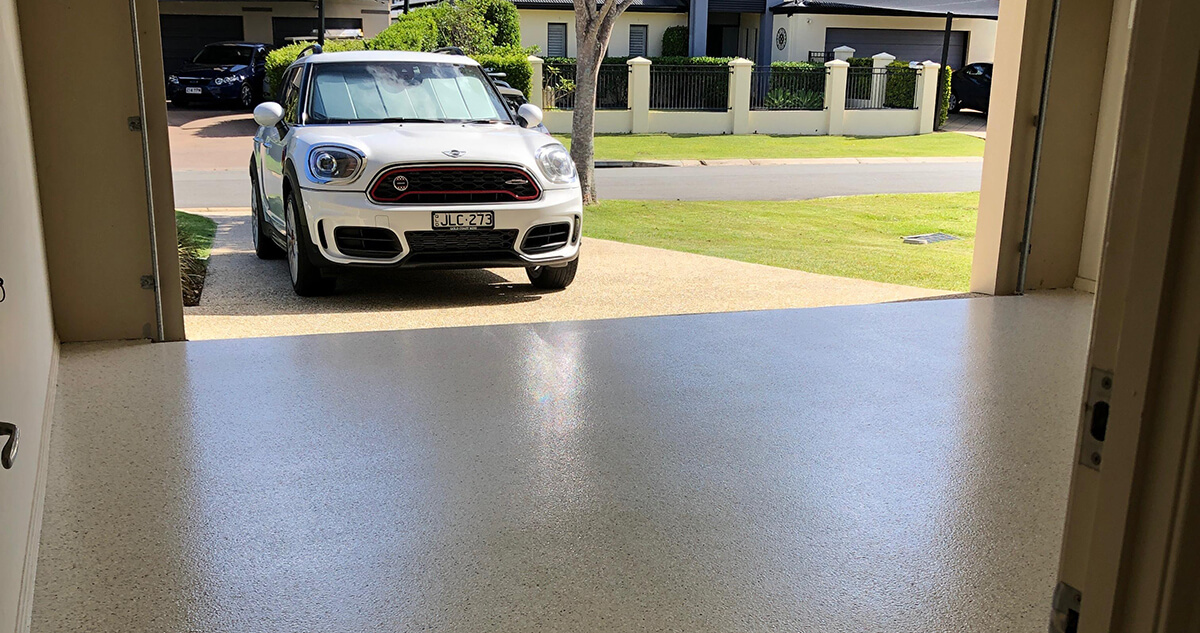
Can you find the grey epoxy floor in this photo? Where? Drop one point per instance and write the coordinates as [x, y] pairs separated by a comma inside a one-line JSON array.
[[897, 468]]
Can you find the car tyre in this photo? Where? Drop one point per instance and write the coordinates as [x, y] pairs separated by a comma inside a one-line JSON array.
[[549, 278], [264, 246], [955, 105], [307, 279]]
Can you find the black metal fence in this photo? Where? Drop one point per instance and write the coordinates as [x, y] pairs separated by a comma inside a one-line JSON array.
[[612, 86], [820, 57], [787, 88], [880, 88], [689, 87]]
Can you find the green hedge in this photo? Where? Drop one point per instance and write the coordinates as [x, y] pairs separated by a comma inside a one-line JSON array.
[[797, 65], [504, 16], [416, 31], [513, 63], [675, 41], [901, 90]]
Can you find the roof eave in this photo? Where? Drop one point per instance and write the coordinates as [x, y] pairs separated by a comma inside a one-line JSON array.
[[785, 9]]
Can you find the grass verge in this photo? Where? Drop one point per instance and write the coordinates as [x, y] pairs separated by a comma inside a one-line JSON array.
[[195, 236], [853, 236], [682, 147]]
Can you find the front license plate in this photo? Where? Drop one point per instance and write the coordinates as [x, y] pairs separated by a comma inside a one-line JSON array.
[[193, 91], [464, 221]]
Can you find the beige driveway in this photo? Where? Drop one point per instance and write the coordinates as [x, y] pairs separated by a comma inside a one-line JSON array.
[[248, 297]]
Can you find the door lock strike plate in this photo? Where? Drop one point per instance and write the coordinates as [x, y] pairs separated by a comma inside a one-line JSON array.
[[1095, 418]]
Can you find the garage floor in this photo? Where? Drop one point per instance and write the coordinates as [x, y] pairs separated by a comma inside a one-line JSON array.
[[898, 467]]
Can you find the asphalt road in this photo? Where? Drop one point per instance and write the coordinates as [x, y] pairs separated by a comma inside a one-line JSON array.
[[231, 187]]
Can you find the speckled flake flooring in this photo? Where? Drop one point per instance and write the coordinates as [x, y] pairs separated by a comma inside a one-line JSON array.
[[898, 468]]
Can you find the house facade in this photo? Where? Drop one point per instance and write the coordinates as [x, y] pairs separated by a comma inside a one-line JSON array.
[[187, 25], [778, 30]]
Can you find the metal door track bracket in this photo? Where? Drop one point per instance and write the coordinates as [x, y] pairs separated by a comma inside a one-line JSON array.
[[1064, 614]]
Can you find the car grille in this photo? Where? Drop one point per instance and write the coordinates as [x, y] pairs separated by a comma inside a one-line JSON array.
[[546, 237], [451, 185], [193, 81], [366, 241], [461, 241]]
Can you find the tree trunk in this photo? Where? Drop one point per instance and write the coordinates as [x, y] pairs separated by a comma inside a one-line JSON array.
[[583, 119]]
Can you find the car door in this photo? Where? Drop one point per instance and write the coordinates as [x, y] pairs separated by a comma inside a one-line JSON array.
[[976, 87], [274, 146]]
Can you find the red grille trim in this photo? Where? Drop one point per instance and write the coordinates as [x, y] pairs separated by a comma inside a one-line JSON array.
[[388, 174]]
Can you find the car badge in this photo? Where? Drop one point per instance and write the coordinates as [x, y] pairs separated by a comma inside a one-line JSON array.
[[516, 182], [400, 183], [454, 153]]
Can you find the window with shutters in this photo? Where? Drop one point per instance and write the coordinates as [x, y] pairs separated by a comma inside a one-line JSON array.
[[556, 39], [638, 34]]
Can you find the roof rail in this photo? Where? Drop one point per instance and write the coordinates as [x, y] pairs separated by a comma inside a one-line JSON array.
[[449, 50], [312, 49]]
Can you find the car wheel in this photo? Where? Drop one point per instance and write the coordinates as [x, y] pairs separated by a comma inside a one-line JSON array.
[[548, 278], [264, 246], [306, 278], [247, 96], [955, 106]]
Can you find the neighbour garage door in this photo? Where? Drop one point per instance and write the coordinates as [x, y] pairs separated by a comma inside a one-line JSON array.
[[906, 45], [307, 27], [184, 35]]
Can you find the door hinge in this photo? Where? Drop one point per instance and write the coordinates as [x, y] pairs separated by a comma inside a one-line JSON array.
[[1095, 418], [148, 282], [135, 124], [1064, 614]]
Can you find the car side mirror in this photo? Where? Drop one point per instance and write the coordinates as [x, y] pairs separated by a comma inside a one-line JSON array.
[[268, 114], [530, 114]]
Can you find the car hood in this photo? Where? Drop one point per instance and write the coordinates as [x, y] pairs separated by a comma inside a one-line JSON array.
[[386, 144], [205, 71]]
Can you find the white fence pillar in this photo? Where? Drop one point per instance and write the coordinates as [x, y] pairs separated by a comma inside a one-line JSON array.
[[835, 95], [739, 94], [879, 79], [843, 53], [927, 94], [639, 95], [535, 81]]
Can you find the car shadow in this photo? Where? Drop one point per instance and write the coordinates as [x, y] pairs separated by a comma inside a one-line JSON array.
[[240, 284], [212, 122]]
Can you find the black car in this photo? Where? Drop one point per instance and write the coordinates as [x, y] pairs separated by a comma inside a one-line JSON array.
[[225, 71], [971, 87]]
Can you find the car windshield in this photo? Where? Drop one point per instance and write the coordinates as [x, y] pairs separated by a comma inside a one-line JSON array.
[[372, 92], [224, 55]]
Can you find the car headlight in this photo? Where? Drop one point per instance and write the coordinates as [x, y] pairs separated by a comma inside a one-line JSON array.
[[233, 79], [329, 163], [219, 80], [556, 164], [173, 79]]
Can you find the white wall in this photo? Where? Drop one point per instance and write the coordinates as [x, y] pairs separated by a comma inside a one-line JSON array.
[[27, 344], [806, 32], [533, 30], [256, 25]]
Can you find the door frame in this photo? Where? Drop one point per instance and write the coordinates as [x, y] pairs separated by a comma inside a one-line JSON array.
[[1127, 521]]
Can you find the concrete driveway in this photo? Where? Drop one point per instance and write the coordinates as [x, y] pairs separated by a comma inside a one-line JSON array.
[[248, 297]]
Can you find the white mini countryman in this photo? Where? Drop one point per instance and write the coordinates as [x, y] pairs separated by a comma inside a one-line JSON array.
[[384, 158]]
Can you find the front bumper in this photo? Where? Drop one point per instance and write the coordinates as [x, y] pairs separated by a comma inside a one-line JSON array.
[[208, 92], [325, 211]]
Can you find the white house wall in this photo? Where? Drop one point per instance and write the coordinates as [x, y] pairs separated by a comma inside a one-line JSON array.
[[533, 30], [256, 22], [806, 32]]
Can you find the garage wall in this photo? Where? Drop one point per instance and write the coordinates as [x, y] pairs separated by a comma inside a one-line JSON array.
[[533, 30], [807, 32]]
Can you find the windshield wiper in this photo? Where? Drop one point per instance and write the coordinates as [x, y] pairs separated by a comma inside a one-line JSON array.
[[381, 120]]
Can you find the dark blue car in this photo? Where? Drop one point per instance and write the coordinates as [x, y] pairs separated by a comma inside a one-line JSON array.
[[225, 71]]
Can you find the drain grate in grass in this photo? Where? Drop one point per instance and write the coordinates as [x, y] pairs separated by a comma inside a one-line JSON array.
[[929, 238]]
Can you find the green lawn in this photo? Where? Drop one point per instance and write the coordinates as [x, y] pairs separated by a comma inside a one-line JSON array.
[[196, 231], [680, 146], [854, 236]]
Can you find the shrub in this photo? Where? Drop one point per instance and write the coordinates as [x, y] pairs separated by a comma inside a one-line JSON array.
[[675, 41], [901, 90], [503, 15], [945, 105], [416, 31], [798, 65], [783, 99], [279, 59], [512, 62]]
